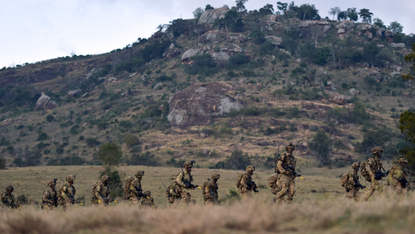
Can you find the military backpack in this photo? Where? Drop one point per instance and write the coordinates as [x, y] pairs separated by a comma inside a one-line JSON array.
[[238, 180], [94, 188], [127, 184], [344, 179]]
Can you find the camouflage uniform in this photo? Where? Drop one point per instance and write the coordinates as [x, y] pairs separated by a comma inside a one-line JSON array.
[[135, 188], [247, 185], [211, 190], [50, 197], [373, 164], [147, 200], [286, 179], [397, 176], [349, 183], [101, 192], [67, 193], [183, 179], [7, 198]]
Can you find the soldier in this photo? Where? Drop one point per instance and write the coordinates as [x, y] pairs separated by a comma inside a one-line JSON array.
[[372, 165], [147, 200], [135, 188], [7, 198], [173, 192], [397, 177], [285, 166], [101, 191], [184, 182], [350, 181], [67, 193], [210, 190], [245, 184], [50, 197]]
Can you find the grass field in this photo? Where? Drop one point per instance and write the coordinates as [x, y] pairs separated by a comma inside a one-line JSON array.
[[319, 206]]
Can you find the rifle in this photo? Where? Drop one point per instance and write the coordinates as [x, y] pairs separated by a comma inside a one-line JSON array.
[[292, 170], [379, 174], [403, 181], [253, 184], [190, 185], [140, 192], [52, 200], [72, 199], [357, 184]]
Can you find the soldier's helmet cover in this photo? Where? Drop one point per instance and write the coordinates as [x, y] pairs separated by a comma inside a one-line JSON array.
[[70, 178], [377, 149], [355, 165], [105, 178], [250, 168], [215, 176], [289, 146], [403, 160], [139, 174]]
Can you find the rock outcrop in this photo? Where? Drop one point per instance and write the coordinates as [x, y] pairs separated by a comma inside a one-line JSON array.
[[239, 38], [44, 102], [314, 28], [195, 104], [398, 45], [74, 93], [189, 53], [220, 57], [210, 16], [172, 52], [274, 40], [343, 27], [338, 98]]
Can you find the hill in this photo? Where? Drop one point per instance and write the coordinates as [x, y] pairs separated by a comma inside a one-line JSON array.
[[206, 88]]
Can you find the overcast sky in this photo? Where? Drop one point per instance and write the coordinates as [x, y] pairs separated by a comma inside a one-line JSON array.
[[35, 30]]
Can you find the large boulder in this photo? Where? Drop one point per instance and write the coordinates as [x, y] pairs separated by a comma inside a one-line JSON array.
[[44, 102], [220, 57], [338, 98], [74, 93], [274, 40], [195, 104], [210, 16], [237, 38], [189, 53], [398, 45]]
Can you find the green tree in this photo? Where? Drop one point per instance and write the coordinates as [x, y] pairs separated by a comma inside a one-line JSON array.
[[115, 183], [197, 13], [371, 52], [366, 15], [258, 36], [240, 5], [334, 11], [410, 58], [322, 145], [342, 15], [282, 6], [50, 118], [110, 154], [237, 161], [2, 163], [131, 140], [352, 14], [208, 7], [378, 22], [268, 9], [305, 11], [395, 27]]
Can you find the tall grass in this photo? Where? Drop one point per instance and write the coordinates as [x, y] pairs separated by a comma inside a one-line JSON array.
[[386, 214]]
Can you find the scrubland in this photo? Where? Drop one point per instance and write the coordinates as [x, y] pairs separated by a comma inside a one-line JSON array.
[[318, 207]]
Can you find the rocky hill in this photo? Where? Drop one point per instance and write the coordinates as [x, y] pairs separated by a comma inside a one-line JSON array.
[[206, 88]]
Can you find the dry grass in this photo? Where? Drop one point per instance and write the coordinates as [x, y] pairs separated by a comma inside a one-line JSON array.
[[381, 215]]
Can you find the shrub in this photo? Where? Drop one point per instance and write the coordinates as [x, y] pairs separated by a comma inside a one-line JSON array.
[[125, 125], [4, 142], [131, 140], [203, 65], [236, 161], [237, 60], [2, 163], [145, 159], [50, 118], [258, 36], [66, 161], [110, 154], [321, 144], [115, 182], [91, 142], [74, 130], [42, 136], [102, 125]]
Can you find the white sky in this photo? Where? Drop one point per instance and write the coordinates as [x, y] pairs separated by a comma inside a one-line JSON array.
[[35, 30]]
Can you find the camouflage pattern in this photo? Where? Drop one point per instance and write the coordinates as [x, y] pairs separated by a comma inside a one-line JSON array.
[[349, 183], [174, 191], [372, 165], [286, 179], [211, 190], [396, 174], [272, 183], [147, 201], [289, 146], [181, 178], [135, 190], [101, 191], [247, 185], [7, 198], [139, 174], [50, 197], [66, 193], [188, 164]]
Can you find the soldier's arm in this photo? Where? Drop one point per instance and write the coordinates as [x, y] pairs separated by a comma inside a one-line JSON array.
[[179, 180], [369, 163], [245, 181], [45, 197], [134, 189], [63, 193], [98, 192], [280, 168], [351, 180], [398, 174]]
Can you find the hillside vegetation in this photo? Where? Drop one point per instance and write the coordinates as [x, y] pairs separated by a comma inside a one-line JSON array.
[[301, 79]]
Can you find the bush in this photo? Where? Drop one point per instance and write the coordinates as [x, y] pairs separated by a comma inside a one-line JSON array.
[[74, 130], [131, 140], [4, 142], [321, 144], [110, 154], [102, 125], [237, 60], [145, 159], [2, 163], [115, 182], [92, 142], [125, 125], [50, 118], [203, 65], [236, 161], [70, 160], [258, 36], [42, 136]]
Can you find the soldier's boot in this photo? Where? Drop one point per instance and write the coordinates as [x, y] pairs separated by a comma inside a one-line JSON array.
[[280, 200], [368, 194]]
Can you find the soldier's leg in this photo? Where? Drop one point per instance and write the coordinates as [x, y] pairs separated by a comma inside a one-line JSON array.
[[291, 191], [283, 184], [356, 195], [373, 186], [47, 207], [134, 200], [186, 197], [66, 206]]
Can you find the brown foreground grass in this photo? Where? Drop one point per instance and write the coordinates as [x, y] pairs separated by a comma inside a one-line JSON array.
[[384, 214]]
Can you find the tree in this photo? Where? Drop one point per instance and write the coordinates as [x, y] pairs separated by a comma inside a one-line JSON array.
[[208, 7], [378, 22], [268, 9], [366, 15], [198, 12], [240, 5], [321, 144], [115, 182], [334, 11], [395, 27], [305, 11], [110, 154], [342, 15], [2, 163], [371, 52], [410, 58], [131, 140], [282, 6], [352, 14], [258, 36]]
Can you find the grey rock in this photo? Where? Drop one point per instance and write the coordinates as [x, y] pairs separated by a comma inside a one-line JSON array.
[[210, 16], [73, 93], [42, 102], [341, 30], [354, 91], [221, 56], [398, 45], [158, 85], [274, 40], [51, 105], [346, 25], [189, 53]]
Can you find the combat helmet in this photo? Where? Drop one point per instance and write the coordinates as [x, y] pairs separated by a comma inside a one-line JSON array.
[[215, 176], [70, 178], [377, 149], [52, 182], [355, 165], [9, 188], [250, 168], [403, 160], [105, 179], [289, 146], [139, 174], [189, 164]]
